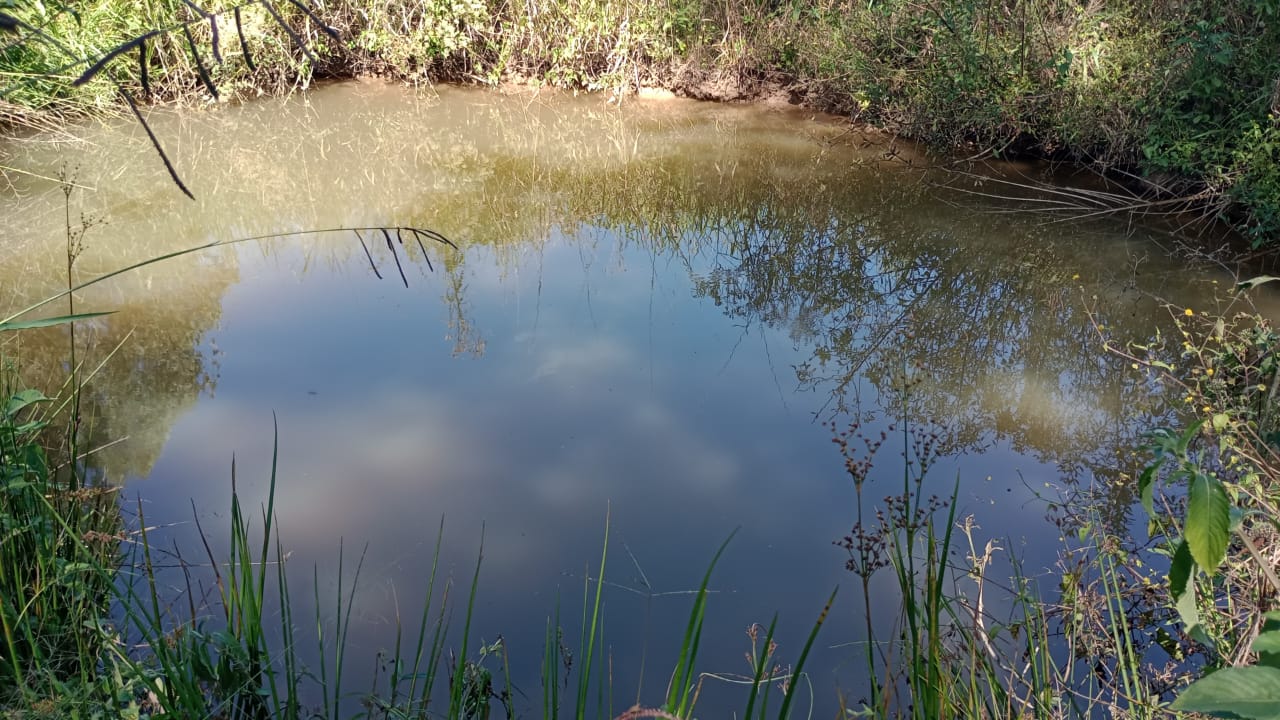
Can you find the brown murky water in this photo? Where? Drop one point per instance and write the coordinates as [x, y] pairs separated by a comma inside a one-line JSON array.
[[651, 312]]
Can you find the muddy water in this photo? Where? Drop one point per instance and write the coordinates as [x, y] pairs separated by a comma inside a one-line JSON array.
[[650, 315]]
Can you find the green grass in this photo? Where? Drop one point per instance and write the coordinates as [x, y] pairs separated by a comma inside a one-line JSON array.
[[232, 658], [940, 653], [57, 550]]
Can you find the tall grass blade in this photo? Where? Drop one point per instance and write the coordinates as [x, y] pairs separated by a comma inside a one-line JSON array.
[[679, 694], [293, 700], [589, 639], [422, 626], [344, 626], [50, 322], [804, 655], [458, 685], [551, 668], [320, 637]]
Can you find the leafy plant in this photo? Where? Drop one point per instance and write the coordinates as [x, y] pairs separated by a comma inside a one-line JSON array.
[[1207, 523], [1224, 465], [1250, 693]]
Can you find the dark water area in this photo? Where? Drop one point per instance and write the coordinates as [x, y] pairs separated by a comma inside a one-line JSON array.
[[652, 314]]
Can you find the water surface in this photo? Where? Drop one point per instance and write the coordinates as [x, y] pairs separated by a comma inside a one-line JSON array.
[[651, 315]]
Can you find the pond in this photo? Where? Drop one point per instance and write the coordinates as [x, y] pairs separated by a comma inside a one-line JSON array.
[[651, 316]]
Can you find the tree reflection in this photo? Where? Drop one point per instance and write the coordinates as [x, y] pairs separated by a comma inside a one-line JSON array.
[[792, 225], [142, 367], [879, 276]]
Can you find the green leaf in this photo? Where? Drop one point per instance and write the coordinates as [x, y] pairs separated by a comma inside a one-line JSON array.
[[1255, 282], [1268, 640], [1208, 521], [1183, 590], [21, 400], [1237, 692], [1271, 621], [1180, 569], [1184, 440], [1220, 421], [1146, 487], [49, 322]]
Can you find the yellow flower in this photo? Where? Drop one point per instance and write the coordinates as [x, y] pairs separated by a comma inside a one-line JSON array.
[[1206, 408], [1190, 399], [1188, 312], [1076, 276], [1135, 366], [1208, 371]]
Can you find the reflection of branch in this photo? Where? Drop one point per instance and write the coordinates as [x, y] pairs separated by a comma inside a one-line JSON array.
[[861, 359], [418, 233], [466, 339], [1084, 203]]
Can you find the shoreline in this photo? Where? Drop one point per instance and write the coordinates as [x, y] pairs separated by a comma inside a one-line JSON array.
[[1121, 92]]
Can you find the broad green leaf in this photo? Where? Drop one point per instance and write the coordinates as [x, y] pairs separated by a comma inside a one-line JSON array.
[[1268, 640], [36, 461], [1208, 521], [1255, 282], [1237, 692], [1268, 648], [1220, 421], [49, 322], [21, 400], [1184, 591], [1187, 611], [1271, 621]]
